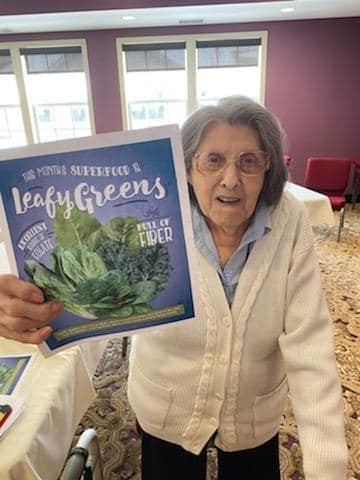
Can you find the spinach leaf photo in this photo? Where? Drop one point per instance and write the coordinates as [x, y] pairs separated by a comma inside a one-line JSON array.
[[101, 270]]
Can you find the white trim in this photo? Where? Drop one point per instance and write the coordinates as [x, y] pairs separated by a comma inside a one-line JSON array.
[[120, 60], [263, 65], [23, 100], [197, 36], [43, 43], [191, 75], [84, 53], [190, 52]]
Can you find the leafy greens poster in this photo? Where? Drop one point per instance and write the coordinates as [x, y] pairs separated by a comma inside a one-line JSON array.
[[103, 225]]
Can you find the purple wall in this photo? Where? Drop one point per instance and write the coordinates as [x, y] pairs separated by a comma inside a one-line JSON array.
[[313, 85], [313, 80], [103, 67]]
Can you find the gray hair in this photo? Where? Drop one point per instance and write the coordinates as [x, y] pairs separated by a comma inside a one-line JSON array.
[[240, 110]]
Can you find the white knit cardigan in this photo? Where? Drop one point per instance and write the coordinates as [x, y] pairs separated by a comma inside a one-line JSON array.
[[229, 369]]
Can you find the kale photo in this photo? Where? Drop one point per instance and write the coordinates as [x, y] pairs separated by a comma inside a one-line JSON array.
[[101, 270], [148, 263]]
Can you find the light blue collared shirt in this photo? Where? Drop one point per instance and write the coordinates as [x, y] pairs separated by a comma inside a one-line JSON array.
[[229, 275]]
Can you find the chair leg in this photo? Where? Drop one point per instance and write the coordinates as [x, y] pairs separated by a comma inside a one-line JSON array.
[[341, 223], [342, 217], [124, 347], [355, 193]]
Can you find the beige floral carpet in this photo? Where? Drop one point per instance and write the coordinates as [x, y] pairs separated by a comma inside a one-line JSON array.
[[111, 415]]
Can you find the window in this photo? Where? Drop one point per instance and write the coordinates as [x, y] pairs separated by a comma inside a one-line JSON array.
[[227, 67], [163, 79], [155, 83], [12, 132], [56, 88], [51, 99]]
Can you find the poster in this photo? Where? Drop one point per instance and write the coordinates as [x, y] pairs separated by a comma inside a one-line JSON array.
[[103, 225]]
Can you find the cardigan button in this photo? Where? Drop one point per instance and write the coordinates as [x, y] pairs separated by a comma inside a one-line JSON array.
[[213, 422], [226, 321], [223, 360]]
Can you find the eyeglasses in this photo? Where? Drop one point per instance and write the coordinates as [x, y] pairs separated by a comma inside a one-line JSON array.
[[248, 164]]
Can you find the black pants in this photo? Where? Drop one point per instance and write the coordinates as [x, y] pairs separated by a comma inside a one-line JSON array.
[[166, 461]]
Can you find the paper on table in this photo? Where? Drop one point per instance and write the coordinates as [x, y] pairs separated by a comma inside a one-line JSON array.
[[12, 371], [18, 406]]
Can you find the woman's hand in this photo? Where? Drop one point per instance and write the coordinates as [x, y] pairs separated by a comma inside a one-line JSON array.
[[24, 316]]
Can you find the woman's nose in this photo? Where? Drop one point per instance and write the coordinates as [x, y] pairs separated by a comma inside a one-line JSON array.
[[230, 176]]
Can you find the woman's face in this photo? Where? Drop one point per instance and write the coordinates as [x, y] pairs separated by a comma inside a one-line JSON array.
[[228, 199]]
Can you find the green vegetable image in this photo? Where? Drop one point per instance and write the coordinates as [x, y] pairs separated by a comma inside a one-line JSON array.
[[148, 263], [77, 263], [74, 230], [121, 229], [101, 270]]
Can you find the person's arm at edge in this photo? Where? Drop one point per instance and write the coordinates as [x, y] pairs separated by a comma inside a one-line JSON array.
[[307, 346]]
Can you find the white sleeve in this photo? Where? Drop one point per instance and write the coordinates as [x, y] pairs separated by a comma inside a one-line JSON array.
[[307, 346]]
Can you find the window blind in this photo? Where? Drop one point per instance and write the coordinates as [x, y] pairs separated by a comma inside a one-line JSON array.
[[5, 62], [53, 59], [228, 53], [155, 56]]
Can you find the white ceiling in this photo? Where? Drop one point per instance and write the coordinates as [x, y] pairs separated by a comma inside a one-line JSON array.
[[175, 16]]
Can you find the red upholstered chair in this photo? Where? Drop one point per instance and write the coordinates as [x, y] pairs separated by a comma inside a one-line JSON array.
[[330, 176], [355, 190]]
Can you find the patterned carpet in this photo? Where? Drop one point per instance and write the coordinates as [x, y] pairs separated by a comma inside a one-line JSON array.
[[110, 413]]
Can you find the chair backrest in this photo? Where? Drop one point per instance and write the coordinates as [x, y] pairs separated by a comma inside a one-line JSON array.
[[329, 175]]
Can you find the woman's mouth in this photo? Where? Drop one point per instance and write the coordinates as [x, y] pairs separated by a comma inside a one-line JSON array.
[[228, 200]]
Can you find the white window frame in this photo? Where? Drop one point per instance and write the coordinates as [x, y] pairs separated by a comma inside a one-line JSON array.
[[14, 47], [190, 61]]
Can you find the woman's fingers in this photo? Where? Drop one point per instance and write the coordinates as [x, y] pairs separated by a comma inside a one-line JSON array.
[[23, 313], [18, 314], [14, 287], [36, 336]]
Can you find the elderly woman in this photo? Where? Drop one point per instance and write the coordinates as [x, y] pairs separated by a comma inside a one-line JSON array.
[[263, 324]]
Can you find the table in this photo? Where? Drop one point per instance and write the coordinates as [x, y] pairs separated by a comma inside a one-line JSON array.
[[317, 204], [57, 391]]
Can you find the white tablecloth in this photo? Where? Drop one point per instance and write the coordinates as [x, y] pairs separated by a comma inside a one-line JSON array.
[[4, 264], [57, 391], [318, 205]]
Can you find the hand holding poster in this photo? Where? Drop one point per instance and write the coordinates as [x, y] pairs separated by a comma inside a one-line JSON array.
[[102, 224]]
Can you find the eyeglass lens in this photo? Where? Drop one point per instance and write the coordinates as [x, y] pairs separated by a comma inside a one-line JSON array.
[[248, 163]]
